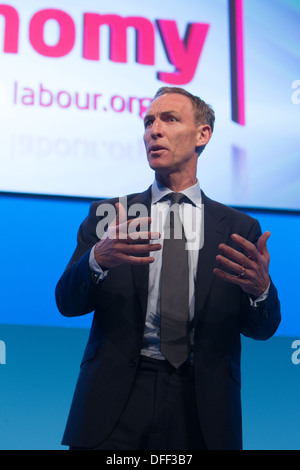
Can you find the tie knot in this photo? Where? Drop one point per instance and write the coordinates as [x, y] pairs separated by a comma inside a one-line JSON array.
[[177, 198]]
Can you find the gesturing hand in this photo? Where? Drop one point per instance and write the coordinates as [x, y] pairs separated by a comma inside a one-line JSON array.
[[122, 241], [252, 272]]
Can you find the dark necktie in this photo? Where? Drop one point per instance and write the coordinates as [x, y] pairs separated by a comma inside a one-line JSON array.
[[174, 301]]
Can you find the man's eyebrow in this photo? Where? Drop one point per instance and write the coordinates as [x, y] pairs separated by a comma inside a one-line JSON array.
[[162, 113], [171, 111], [148, 116]]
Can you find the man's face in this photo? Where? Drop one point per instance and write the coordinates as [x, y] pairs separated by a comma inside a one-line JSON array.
[[171, 134]]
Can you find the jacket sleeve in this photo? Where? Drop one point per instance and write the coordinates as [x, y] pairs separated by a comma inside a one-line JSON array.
[[260, 322], [75, 291]]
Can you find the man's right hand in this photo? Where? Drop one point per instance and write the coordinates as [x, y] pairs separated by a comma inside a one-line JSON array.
[[122, 242]]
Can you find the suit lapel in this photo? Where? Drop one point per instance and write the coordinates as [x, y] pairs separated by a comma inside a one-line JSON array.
[[141, 273], [216, 231]]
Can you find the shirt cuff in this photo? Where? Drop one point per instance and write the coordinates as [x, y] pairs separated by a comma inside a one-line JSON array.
[[97, 272], [261, 298]]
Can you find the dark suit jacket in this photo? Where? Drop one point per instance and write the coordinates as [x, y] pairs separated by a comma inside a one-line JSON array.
[[109, 364]]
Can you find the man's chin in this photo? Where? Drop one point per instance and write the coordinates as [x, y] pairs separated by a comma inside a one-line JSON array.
[[159, 167], [157, 162]]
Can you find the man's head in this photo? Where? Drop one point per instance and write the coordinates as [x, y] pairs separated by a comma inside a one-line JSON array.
[[178, 125], [204, 114]]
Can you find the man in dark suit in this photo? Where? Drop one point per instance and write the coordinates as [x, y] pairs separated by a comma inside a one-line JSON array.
[[138, 387]]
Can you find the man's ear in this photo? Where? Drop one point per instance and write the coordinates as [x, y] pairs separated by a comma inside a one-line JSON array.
[[204, 135]]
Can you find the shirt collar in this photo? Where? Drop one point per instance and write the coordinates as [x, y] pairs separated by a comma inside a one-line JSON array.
[[159, 191]]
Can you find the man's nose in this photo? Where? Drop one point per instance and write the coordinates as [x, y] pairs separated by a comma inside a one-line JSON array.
[[156, 128]]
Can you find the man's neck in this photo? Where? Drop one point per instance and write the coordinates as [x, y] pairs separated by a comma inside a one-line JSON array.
[[176, 182]]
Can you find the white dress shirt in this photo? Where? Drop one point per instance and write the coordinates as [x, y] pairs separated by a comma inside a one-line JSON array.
[[159, 211]]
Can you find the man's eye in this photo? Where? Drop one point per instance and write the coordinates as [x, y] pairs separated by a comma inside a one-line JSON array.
[[147, 123], [172, 119]]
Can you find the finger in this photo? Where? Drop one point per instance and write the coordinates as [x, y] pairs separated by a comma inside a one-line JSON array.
[[262, 243], [138, 229], [124, 258], [135, 236], [133, 228], [236, 255], [139, 261], [234, 267], [121, 214], [119, 219], [122, 221], [137, 249], [138, 224], [249, 247], [230, 277]]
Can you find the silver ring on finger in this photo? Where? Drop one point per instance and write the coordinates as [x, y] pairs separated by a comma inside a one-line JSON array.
[[242, 274]]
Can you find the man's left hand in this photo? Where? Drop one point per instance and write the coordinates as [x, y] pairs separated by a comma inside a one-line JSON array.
[[251, 272]]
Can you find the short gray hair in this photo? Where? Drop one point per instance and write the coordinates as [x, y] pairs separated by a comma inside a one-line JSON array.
[[204, 114]]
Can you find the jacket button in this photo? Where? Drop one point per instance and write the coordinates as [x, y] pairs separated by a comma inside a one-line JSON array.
[[132, 363]]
